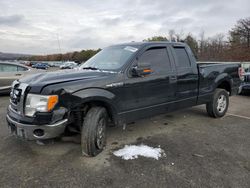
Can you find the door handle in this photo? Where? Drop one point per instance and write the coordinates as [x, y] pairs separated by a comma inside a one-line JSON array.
[[18, 74], [173, 78]]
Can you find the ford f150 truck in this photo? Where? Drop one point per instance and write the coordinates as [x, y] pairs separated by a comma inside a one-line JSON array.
[[120, 84]]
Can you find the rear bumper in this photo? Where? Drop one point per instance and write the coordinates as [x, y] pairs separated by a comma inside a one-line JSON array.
[[36, 132]]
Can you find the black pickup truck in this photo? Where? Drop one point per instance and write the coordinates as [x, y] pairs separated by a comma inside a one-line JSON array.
[[120, 84]]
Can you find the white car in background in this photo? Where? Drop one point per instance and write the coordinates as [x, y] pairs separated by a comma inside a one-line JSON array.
[[68, 65], [12, 71]]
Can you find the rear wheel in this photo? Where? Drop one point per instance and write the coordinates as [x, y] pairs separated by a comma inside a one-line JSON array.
[[93, 133], [219, 104]]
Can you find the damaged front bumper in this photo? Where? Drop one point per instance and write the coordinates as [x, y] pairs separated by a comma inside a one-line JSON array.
[[36, 132]]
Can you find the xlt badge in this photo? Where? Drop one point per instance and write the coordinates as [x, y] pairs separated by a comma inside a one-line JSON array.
[[118, 84]]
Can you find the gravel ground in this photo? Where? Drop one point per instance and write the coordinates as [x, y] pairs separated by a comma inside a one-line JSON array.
[[200, 152]]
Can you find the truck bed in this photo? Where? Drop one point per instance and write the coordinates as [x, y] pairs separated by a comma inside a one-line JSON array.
[[210, 73]]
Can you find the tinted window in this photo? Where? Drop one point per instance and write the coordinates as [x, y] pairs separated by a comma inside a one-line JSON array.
[[19, 68], [8, 68], [182, 57], [157, 58]]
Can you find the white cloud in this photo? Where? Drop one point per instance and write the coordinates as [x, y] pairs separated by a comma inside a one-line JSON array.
[[32, 26]]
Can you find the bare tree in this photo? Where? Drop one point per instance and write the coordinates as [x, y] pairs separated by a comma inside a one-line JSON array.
[[202, 43], [242, 29], [179, 36], [220, 44], [171, 34]]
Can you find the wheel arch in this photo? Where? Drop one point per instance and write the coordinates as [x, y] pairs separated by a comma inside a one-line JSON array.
[[98, 97], [224, 81], [225, 85]]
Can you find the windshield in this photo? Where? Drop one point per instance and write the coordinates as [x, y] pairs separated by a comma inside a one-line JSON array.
[[111, 58]]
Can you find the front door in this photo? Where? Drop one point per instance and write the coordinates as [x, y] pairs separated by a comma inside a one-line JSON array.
[[150, 94]]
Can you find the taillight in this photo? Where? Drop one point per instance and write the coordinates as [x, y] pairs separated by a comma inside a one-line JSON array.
[[241, 73]]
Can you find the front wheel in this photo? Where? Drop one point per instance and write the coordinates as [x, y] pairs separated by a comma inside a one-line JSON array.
[[93, 133], [219, 104]]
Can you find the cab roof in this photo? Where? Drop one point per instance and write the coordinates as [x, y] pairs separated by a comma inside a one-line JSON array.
[[141, 44]]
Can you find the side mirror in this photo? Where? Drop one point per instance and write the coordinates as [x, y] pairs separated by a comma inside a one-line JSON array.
[[141, 70]]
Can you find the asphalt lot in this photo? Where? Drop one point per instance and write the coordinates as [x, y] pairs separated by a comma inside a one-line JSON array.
[[200, 152]]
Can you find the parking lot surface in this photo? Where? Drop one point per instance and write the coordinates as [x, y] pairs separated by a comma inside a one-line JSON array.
[[200, 152]]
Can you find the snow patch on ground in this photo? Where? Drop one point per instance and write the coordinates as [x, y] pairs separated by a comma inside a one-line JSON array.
[[133, 151]]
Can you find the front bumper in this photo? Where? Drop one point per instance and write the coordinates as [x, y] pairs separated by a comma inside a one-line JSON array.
[[36, 132]]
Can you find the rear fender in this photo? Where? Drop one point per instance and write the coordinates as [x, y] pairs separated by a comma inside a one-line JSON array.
[[224, 77]]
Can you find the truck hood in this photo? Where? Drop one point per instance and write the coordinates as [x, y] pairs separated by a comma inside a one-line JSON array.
[[48, 78]]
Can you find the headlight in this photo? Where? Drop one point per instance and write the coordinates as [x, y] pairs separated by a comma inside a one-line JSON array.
[[39, 103]]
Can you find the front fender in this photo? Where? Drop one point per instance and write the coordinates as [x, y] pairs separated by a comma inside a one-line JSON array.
[[97, 95], [94, 93]]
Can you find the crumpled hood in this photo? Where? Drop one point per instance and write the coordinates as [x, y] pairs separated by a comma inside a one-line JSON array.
[[61, 76]]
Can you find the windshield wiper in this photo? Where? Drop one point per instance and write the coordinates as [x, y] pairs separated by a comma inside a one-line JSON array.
[[90, 68]]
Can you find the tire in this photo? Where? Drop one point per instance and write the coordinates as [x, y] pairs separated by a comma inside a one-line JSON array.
[[93, 133], [219, 104]]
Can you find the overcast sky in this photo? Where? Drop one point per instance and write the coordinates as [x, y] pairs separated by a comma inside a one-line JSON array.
[[34, 26]]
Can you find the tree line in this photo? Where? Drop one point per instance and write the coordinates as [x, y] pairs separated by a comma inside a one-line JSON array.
[[233, 47], [76, 56]]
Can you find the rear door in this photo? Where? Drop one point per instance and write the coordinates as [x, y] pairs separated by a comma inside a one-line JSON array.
[[187, 76]]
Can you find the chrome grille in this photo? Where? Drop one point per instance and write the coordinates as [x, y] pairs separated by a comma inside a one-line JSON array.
[[17, 96]]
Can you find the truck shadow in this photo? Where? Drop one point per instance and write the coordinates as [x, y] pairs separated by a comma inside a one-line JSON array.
[[4, 94], [245, 93]]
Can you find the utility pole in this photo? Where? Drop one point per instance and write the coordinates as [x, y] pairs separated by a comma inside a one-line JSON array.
[[59, 45]]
